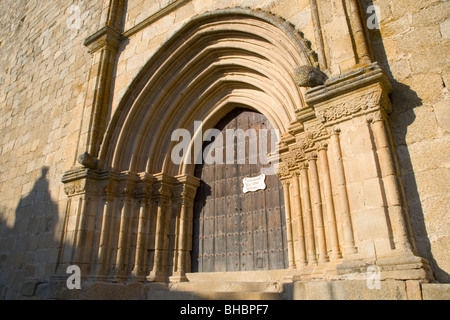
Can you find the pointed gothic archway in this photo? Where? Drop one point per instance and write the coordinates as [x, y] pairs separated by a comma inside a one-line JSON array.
[[217, 61], [143, 201]]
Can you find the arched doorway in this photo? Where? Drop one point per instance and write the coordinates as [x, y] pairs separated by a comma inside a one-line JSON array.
[[236, 230], [216, 62]]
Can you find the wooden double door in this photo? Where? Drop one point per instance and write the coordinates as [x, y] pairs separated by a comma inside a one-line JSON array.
[[233, 230]]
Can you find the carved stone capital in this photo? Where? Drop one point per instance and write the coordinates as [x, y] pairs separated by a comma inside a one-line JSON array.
[[303, 166], [375, 117], [306, 141], [313, 156], [322, 145], [284, 172], [83, 181]]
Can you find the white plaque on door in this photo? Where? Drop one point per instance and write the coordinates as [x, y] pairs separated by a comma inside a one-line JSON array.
[[255, 184]]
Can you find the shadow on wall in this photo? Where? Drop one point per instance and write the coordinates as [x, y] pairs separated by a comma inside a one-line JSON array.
[[404, 101], [29, 250]]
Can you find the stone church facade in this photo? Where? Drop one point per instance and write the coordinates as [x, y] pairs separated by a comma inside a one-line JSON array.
[[92, 92]]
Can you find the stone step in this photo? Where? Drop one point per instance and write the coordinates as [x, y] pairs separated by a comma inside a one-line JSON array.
[[255, 285], [227, 286], [242, 276], [238, 296], [164, 293]]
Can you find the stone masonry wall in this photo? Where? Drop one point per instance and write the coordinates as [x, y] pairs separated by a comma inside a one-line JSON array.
[[43, 75], [44, 69]]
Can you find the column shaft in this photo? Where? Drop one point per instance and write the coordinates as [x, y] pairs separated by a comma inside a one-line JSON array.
[[391, 184], [344, 207], [309, 226], [317, 210], [331, 218]]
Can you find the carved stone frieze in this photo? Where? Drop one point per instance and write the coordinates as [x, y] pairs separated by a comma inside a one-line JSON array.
[[352, 106], [83, 181], [75, 188]]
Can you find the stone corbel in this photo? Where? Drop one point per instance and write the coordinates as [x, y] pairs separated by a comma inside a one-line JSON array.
[[309, 77], [106, 37]]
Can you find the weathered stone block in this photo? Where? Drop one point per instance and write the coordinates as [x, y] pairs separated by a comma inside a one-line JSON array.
[[432, 291]]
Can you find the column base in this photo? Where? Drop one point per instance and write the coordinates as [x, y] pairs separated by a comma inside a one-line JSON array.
[[157, 276], [398, 266], [178, 277]]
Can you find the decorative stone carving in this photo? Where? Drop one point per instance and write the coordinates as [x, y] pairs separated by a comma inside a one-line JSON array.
[[283, 172], [317, 131], [75, 188], [300, 155], [307, 142], [352, 106], [88, 161], [309, 76]]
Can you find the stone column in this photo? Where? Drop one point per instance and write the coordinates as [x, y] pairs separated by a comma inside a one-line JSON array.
[[180, 273], [80, 231], [301, 259], [142, 241], [309, 225], [317, 209], [157, 274], [125, 219], [101, 270], [162, 200], [390, 181], [357, 25], [82, 186], [104, 46], [344, 205], [318, 35], [184, 236], [331, 217], [290, 239]]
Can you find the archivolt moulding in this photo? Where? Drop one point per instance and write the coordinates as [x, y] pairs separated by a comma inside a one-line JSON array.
[[227, 57]]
